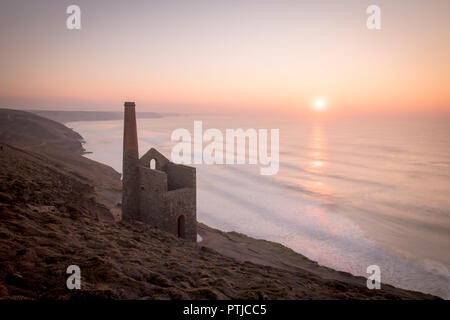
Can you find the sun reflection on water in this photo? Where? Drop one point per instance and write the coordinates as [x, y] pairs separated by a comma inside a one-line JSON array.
[[317, 162]]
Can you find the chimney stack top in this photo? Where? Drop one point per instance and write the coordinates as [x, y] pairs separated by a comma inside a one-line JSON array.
[[130, 104]]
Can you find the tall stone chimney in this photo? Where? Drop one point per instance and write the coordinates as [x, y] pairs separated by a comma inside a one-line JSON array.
[[130, 174]]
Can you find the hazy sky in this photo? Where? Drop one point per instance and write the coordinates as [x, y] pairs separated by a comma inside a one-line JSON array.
[[222, 55]]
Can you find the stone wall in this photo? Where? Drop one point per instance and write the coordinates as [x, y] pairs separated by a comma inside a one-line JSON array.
[[152, 195], [182, 202], [161, 208], [156, 196], [161, 161], [180, 176]]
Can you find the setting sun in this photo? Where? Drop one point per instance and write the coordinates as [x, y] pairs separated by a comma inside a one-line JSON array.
[[319, 105]]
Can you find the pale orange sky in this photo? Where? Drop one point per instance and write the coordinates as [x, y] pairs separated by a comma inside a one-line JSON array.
[[218, 56]]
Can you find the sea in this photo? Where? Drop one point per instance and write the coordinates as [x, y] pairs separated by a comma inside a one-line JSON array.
[[349, 193]]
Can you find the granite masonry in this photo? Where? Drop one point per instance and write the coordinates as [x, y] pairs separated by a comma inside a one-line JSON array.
[[155, 190]]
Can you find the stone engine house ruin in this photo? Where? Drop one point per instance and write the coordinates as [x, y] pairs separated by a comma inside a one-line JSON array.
[[154, 189]]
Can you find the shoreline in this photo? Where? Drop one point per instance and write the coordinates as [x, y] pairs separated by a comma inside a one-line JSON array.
[[260, 254], [336, 273]]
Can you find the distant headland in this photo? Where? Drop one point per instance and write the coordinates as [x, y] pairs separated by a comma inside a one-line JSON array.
[[70, 116]]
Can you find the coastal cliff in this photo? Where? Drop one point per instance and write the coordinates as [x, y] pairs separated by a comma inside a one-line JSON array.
[[58, 208]]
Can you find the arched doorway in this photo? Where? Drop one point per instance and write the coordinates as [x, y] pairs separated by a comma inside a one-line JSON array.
[[181, 226]]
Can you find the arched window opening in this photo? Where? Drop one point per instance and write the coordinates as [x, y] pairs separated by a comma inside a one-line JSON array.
[[153, 164], [181, 226]]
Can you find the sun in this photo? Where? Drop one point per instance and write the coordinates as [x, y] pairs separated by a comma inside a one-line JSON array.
[[319, 104]]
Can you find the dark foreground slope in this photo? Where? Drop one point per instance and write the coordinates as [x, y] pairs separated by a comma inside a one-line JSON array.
[[50, 220], [53, 215]]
